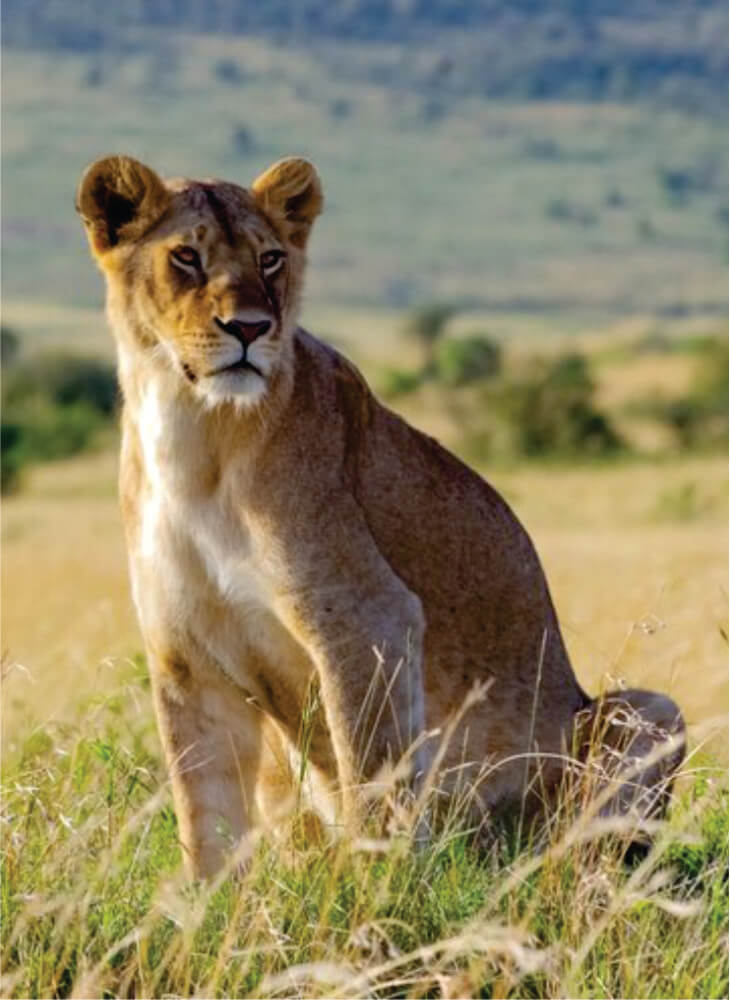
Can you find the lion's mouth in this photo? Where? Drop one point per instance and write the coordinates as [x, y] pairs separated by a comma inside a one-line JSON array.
[[242, 365]]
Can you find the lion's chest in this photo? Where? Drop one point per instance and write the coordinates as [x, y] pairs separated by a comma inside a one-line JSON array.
[[199, 551], [198, 566]]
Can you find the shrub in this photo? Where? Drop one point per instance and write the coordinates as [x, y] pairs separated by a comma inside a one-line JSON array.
[[680, 182], [53, 406], [676, 183], [700, 418], [42, 432], [458, 362], [432, 111], [65, 379], [551, 411], [11, 458], [397, 382], [711, 383], [228, 71], [9, 346], [427, 323]]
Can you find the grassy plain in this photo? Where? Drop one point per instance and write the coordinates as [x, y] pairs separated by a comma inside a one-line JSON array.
[[94, 902], [93, 899], [635, 550], [636, 554]]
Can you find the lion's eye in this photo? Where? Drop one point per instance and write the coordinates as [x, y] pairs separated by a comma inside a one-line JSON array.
[[271, 261], [187, 256]]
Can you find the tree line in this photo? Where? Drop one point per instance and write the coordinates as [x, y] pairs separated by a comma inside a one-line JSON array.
[[674, 51]]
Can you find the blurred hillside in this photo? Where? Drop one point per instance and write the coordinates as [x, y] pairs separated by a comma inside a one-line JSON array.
[[608, 49], [559, 207]]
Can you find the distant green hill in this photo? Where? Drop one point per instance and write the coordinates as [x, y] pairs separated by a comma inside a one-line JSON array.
[[539, 208], [536, 157], [672, 51]]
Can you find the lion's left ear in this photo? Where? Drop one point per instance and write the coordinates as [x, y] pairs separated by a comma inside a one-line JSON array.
[[290, 190]]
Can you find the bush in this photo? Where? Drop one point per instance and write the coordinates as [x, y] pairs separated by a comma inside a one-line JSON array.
[[9, 346], [680, 182], [228, 71], [458, 362], [700, 418], [427, 323], [397, 382], [94, 75], [551, 411], [46, 432], [65, 379], [52, 407], [40, 432], [11, 458]]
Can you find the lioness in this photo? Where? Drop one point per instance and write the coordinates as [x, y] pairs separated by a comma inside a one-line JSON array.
[[286, 530]]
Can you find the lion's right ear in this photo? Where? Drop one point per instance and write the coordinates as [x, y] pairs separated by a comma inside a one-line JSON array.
[[119, 199]]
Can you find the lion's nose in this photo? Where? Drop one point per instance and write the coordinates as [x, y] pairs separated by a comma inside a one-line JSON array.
[[245, 332]]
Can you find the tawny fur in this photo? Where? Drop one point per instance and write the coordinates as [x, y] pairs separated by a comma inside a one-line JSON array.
[[288, 534]]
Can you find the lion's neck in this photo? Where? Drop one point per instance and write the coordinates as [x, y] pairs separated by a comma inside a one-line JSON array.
[[183, 441]]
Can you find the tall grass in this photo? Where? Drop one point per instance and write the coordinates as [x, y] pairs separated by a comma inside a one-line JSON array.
[[94, 902]]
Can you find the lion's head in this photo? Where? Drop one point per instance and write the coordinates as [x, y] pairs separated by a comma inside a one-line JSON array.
[[207, 275]]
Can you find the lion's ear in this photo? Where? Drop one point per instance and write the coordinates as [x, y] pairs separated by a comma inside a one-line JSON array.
[[290, 190], [119, 199]]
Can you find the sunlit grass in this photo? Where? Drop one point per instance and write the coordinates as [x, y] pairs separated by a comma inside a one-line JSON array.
[[94, 902]]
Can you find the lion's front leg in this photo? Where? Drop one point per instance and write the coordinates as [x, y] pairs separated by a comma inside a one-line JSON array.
[[365, 638], [211, 739], [374, 702]]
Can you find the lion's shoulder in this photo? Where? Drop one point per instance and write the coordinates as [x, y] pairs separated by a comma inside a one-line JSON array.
[[334, 381]]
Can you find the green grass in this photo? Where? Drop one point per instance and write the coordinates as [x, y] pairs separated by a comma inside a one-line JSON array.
[[94, 902]]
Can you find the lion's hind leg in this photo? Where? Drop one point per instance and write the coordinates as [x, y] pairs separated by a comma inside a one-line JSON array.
[[632, 744]]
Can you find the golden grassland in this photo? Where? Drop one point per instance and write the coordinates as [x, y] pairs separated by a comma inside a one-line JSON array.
[[94, 900], [635, 552]]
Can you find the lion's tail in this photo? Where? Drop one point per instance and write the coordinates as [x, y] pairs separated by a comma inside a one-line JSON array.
[[634, 742]]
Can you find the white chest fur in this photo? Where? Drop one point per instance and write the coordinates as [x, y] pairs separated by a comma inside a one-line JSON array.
[[198, 538], [201, 570]]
